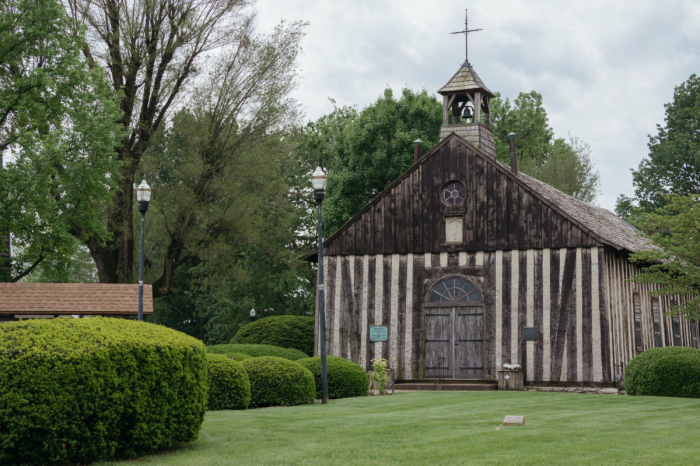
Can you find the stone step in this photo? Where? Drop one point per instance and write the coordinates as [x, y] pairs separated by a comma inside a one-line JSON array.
[[452, 386]]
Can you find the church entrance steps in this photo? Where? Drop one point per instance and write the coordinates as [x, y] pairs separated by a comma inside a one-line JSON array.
[[446, 385]]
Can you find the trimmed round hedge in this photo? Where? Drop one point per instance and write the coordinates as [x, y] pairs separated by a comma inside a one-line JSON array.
[[237, 356], [229, 387], [284, 331], [671, 371], [257, 351], [345, 378], [82, 390], [279, 382]]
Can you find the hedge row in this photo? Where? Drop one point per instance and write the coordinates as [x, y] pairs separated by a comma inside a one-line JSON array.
[[671, 371], [345, 378], [81, 390], [258, 351], [229, 387], [295, 332], [235, 356], [279, 382]]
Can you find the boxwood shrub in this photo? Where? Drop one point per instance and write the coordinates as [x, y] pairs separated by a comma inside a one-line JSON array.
[[257, 351], [229, 387], [670, 371], [81, 390], [284, 331], [279, 382], [237, 356], [345, 378]]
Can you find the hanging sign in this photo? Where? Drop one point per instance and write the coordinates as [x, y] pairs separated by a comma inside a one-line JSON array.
[[378, 333]]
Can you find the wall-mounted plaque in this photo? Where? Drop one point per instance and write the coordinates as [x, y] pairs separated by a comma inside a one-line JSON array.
[[378, 333], [530, 334]]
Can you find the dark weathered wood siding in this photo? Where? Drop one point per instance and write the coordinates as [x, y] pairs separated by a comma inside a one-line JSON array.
[[499, 212], [620, 307], [561, 292]]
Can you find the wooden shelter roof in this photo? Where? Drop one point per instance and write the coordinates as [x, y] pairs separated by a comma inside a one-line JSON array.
[[601, 225], [465, 80], [73, 299]]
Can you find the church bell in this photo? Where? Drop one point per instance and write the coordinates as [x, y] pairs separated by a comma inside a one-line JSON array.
[[467, 113]]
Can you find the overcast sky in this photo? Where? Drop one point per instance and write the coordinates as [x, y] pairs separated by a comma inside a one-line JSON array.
[[604, 68]]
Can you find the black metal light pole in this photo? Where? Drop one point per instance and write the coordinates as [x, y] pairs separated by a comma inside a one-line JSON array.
[[252, 315], [143, 195], [318, 180]]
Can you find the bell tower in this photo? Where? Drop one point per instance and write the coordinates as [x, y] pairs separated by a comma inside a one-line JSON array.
[[466, 97]]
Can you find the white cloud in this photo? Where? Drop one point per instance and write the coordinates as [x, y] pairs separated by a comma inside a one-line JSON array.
[[605, 69]]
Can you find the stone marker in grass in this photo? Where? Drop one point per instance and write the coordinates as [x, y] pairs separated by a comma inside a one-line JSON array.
[[514, 421]]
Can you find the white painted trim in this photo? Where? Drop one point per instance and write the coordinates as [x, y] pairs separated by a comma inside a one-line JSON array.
[[514, 285], [546, 316], [499, 309], [363, 336], [428, 260], [462, 259], [408, 346], [443, 259], [562, 263], [335, 351], [579, 315], [378, 299], [351, 298], [530, 309], [479, 258], [596, 338], [394, 326]]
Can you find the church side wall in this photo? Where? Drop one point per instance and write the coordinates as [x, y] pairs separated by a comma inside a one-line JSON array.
[[561, 292], [621, 310]]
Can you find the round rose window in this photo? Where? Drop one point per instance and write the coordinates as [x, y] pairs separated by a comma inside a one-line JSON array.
[[453, 194]]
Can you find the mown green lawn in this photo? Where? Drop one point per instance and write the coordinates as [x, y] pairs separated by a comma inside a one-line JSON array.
[[451, 428]]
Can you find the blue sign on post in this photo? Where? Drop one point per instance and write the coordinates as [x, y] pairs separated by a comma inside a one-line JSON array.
[[378, 333]]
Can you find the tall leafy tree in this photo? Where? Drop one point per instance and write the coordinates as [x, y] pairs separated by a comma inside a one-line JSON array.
[[673, 265], [151, 51], [673, 165], [563, 164], [567, 167], [366, 151], [527, 118], [221, 233], [214, 172], [57, 133]]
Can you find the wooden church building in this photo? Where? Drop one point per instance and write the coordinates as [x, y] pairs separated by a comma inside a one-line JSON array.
[[462, 253]]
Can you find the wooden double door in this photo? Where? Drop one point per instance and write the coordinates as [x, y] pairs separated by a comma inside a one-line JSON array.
[[454, 342]]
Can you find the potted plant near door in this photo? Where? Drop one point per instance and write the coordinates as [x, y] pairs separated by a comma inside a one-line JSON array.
[[510, 377]]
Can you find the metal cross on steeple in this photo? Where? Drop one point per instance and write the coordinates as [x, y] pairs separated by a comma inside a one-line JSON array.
[[466, 37]]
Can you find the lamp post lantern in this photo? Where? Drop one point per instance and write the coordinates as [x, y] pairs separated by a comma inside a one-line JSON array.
[[252, 315], [143, 196], [318, 181]]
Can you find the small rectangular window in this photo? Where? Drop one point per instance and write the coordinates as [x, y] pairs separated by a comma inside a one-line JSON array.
[[676, 321], [638, 322], [657, 322]]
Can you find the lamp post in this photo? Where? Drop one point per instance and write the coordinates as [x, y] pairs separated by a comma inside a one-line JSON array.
[[318, 181], [143, 195], [252, 315]]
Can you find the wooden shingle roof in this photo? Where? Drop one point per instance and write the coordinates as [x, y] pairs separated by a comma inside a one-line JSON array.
[[465, 80], [610, 228], [73, 299]]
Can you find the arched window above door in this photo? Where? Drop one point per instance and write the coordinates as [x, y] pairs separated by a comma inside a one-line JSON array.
[[454, 290]]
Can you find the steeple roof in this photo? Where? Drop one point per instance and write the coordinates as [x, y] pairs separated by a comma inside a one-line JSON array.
[[465, 80]]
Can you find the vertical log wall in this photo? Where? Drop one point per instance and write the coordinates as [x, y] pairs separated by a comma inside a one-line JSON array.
[[561, 292], [620, 307]]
